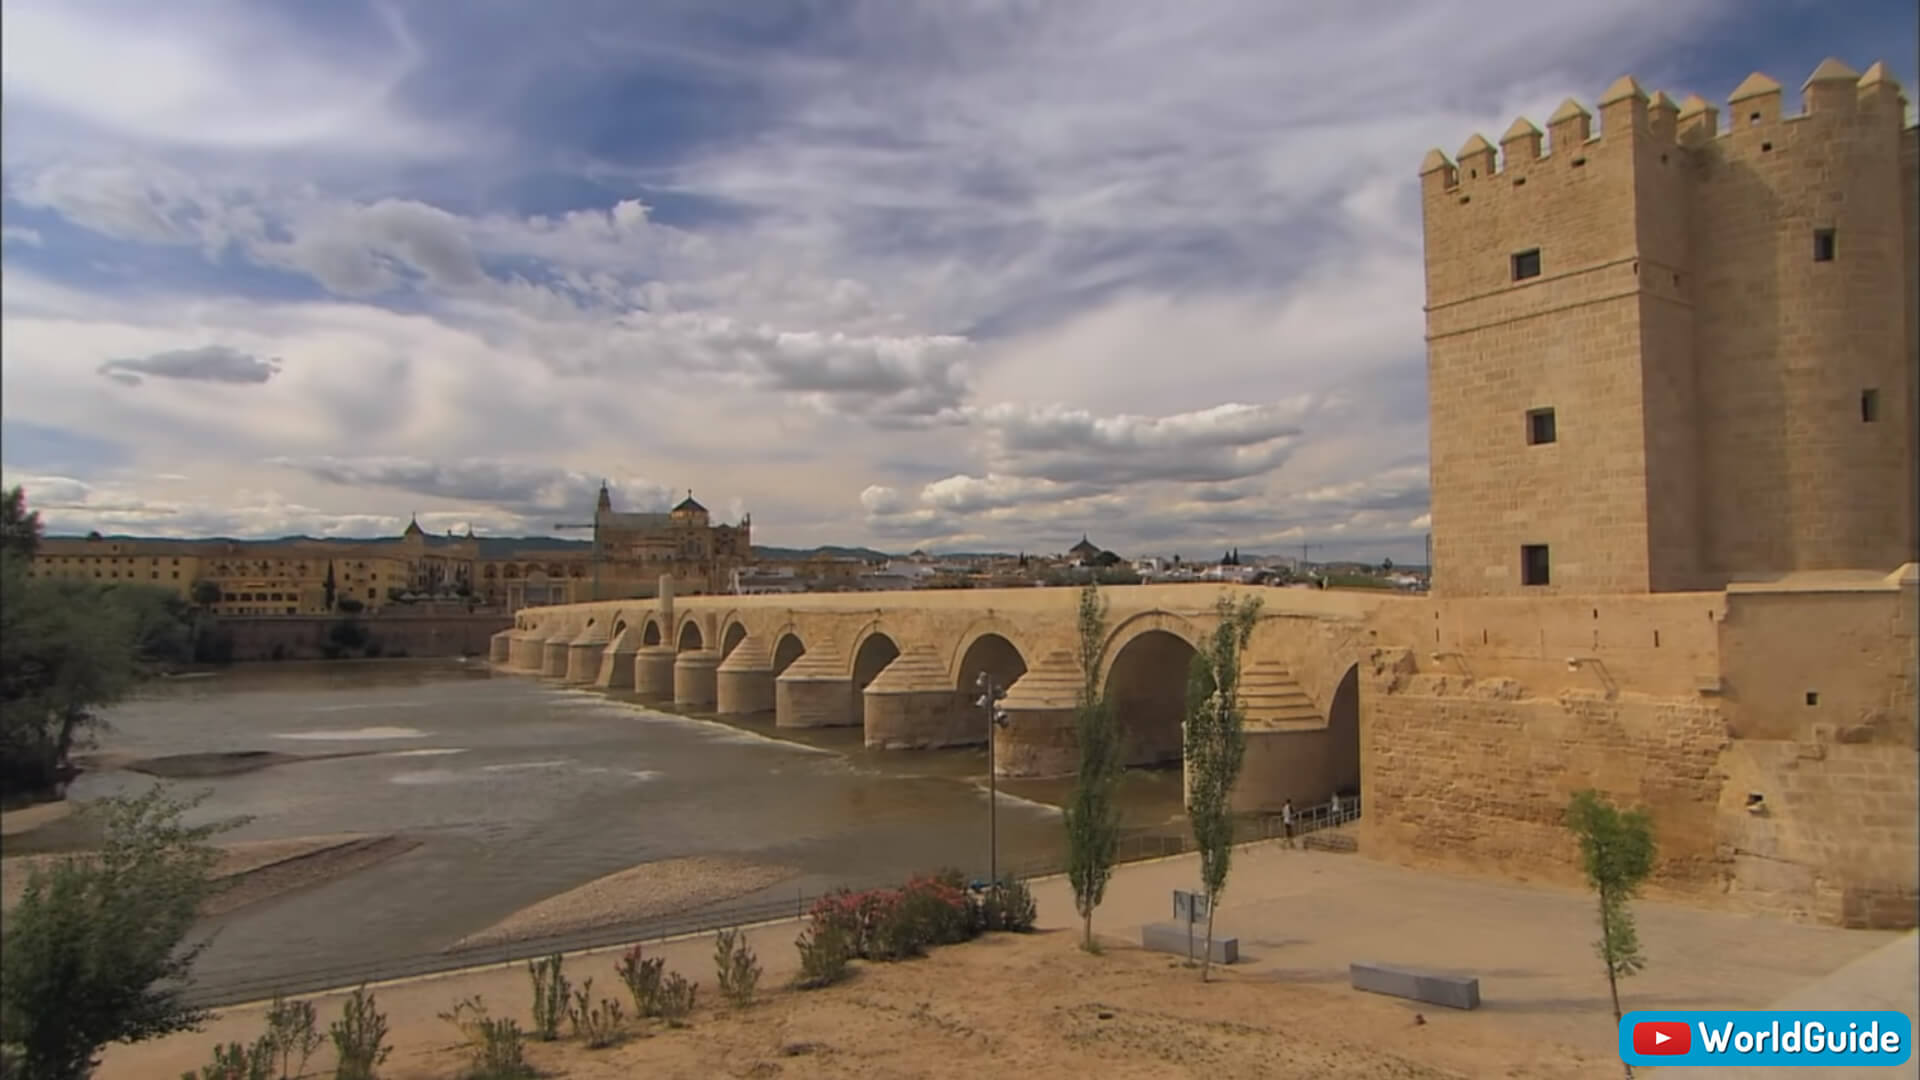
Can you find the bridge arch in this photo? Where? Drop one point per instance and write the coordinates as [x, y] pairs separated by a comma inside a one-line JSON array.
[[689, 638], [873, 650], [732, 636], [1343, 734], [787, 647], [650, 635], [991, 653], [991, 626], [1145, 669]]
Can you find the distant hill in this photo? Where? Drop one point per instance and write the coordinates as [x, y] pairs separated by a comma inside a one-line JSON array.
[[490, 546], [829, 551]]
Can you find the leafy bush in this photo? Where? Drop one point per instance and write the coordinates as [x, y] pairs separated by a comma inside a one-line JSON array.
[[1008, 906], [676, 998], [735, 966], [236, 1062], [496, 1048], [824, 953], [894, 924], [600, 1025], [293, 1030], [359, 1038], [642, 976], [550, 993], [94, 940]]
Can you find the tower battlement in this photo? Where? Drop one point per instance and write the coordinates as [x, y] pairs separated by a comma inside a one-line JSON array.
[[1629, 115], [1665, 353]]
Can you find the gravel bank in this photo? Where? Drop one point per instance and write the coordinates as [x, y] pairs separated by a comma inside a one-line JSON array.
[[252, 870], [647, 891]]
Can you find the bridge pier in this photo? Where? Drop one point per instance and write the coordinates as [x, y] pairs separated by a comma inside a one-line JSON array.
[[528, 648], [815, 691], [500, 647], [694, 677], [653, 672], [1039, 737], [911, 706], [743, 683], [616, 660], [584, 653], [553, 657]]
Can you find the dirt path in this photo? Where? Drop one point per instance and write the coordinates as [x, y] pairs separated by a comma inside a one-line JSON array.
[[1036, 1002]]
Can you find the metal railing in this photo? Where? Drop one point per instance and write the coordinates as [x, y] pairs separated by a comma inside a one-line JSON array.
[[216, 988]]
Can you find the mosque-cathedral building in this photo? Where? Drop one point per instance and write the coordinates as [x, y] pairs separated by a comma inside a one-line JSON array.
[[627, 557]]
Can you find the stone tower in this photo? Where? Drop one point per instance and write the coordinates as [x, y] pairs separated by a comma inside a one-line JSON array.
[[1667, 356]]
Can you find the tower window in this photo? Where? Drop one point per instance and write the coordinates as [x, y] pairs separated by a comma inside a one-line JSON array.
[[1540, 429], [1533, 564], [1869, 406], [1526, 264], [1823, 245]]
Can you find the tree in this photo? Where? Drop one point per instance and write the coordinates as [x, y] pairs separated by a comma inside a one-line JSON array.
[[1216, 744], [206, 593], [94, 950], [1616, 851], [1092, 812], [329, 586], [1386, 566], [65, 652], [19, 529]]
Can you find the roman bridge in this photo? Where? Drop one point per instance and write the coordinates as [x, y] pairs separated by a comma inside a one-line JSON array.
[[903, 667]]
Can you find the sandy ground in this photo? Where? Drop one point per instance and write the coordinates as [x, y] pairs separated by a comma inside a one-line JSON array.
[[1033, 1005], [28, 818], [642, 892], [251, 871]]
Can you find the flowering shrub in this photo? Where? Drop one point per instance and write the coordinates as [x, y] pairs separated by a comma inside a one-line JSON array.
[[893, 924]]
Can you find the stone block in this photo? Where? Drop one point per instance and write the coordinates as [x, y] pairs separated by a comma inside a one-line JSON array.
[[1432, 987], [1172, 938]]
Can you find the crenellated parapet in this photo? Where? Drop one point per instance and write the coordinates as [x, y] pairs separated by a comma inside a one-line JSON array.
[[1628, 115]]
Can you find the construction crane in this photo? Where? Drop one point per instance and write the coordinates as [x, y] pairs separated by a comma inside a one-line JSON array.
[[596, 551], [1304, 548]]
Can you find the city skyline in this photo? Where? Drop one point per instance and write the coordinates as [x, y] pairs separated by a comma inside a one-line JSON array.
[[882, 278]]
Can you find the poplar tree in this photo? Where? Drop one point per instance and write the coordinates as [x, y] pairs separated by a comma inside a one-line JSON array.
[[1093, 812], [1616, 851], [1216, 744]]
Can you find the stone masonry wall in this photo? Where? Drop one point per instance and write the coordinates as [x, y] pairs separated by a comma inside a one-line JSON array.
[[1465, 776]]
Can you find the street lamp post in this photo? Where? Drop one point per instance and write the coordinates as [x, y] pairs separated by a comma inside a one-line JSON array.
[[991, 694]]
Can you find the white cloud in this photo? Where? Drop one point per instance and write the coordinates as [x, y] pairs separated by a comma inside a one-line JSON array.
[[926, 283]]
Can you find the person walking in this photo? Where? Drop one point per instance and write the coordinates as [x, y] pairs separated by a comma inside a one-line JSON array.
[[1286, 821], [1334, 807]]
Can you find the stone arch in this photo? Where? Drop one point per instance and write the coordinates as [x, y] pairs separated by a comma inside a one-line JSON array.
[[990, 625], [1146, 686], [689, 638], [619, 627], [873, 650], [1145, 622], [1343, 734], [990, 652], [650, 634], [787, 647], [732, 636]]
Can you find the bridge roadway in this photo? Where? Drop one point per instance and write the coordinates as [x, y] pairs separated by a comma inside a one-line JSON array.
[[903, 665]]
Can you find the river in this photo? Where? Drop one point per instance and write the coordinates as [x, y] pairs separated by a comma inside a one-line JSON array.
[[519, 789]]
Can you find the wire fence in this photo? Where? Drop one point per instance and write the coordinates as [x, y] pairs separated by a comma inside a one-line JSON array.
[[217, 988]]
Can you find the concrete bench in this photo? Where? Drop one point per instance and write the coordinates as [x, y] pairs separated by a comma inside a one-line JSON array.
[[1432, 987], [1172, 938]]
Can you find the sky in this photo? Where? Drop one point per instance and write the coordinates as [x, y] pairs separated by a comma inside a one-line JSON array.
[[956, 274]]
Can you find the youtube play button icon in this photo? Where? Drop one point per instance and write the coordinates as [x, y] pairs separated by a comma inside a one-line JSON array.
[[1662, 1037]]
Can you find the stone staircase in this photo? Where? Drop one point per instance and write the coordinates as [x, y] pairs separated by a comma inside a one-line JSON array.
[[1274, 699], [1341, 840]]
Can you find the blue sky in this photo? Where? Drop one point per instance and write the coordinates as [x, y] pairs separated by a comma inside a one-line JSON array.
[[909, 274]]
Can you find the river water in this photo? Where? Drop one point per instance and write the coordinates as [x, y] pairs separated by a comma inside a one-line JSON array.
[[518, 790]]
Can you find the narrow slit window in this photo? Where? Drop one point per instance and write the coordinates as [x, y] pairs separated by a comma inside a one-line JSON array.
[[1540, 427], [1534, 565], [1526, 264], [1870, 406], [1823, 245]]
